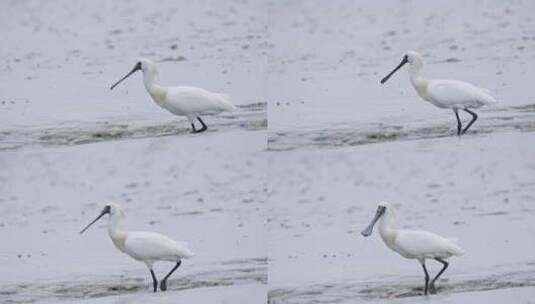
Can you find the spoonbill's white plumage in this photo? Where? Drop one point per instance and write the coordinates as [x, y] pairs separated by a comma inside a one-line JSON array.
[[180, 100], [413, 244], [445, 94], [147, 247]]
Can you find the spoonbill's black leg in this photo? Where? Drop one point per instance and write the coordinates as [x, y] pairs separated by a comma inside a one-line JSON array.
[[154, 280], [193, 128], [459, 126], [204, 127], [474, 118], [192, 122], [163, 283], [426, 278], [445, 265]]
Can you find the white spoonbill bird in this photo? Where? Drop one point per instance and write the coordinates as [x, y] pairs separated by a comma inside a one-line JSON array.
[[147, 247], [445, 94], [182, 100], [413, 244]]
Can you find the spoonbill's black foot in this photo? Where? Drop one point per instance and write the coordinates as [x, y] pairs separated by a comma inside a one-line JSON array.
[[163, 285], [202, 129], [199, 131], [432, 289], [464, 131]]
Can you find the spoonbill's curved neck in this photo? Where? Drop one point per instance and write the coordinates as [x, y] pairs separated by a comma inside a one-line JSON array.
[[116, 226], [151, 79], [387, 227], [156, 91], [415, 73]]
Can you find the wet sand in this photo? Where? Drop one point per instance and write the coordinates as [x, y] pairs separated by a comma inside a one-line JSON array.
[[327, 60], [497, 120], [478, 189], [68, 144], [248, 117], [340, 142], [315, 136], [207, 191]]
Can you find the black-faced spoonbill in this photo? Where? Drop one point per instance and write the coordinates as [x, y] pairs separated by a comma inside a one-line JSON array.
[[413, 244], [183, 100], [445, 94], [147, 247]]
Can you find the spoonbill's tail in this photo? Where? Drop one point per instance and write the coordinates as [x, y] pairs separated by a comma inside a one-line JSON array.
[[486, 97], [184, 250], [225, 104], [453, 247]]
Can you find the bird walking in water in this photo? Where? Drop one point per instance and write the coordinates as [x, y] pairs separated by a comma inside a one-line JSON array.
[[147, 247], [180, 100], [413, 244], [445, 94]]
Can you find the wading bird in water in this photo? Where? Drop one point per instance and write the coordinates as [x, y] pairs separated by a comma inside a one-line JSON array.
[[147, 247], [445, 94], [180, 100], [413, 244]]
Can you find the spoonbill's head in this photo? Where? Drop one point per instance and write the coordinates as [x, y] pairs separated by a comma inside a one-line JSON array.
[[414, 57], [144, 65], [383, 208], [111, 208], [411, 57], [147, 65]]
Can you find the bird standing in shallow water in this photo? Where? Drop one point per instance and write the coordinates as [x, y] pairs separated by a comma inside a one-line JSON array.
[[181, 100], [147, 247], [413, 244], [445, 94]]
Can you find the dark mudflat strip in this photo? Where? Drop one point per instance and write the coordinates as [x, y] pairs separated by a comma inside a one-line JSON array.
[[520, 118], [232, 272], [353, 292], [247, 117]]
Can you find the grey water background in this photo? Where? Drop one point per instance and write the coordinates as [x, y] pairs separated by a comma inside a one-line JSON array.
[[68, 144], [272, 198]]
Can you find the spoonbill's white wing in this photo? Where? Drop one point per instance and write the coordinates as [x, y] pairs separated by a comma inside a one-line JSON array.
[[457, 94], [192, 100], [155, 247], [423, 244]]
